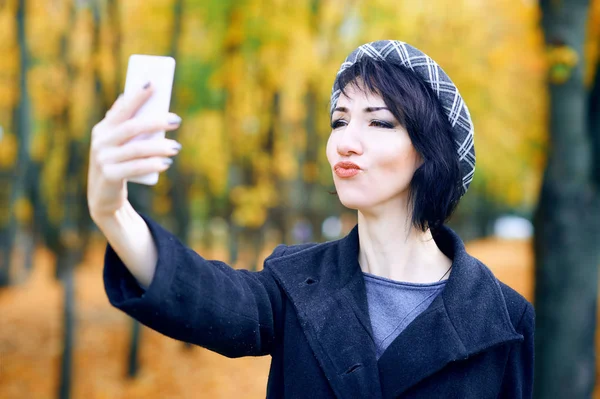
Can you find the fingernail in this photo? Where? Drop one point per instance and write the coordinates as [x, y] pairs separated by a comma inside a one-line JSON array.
[[167, 161], [146, 85], [174, 120], [176, 146]]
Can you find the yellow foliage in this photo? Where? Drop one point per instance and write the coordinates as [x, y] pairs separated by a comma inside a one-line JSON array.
[[205, 151], [9, 78], [81, 104], [146, 28], [81, 46], [9, 61], [106, 57], [251, 203], [48, 87], [23, 210], [310, 172], [265, 59], [561, 60], [10, 6], [261, 165], [8, 150], [562, 55], [8, 29], [163, 186], [284, 164], [161, 204], [592, 47], [46, 23], [38, 148], [53, 185], [249, 217], [197, 40]]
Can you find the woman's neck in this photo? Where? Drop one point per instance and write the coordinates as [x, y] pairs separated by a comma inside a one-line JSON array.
[[396, 250]]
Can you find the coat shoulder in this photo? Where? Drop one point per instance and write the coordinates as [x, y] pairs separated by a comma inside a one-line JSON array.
[[516, 304], [285, 250]]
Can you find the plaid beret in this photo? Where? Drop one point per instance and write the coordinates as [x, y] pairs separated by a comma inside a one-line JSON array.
[[426, 68]]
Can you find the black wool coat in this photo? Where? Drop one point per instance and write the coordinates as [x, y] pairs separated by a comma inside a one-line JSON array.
[[307, 308]]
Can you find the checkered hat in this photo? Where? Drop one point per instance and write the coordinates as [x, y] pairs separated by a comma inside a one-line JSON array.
[[451, 101]]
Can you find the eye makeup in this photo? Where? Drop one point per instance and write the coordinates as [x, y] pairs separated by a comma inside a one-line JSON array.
[[338, 123], [382, 124], [375, 123]]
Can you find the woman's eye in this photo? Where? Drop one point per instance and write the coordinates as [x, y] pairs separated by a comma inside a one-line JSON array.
[[383, 124], [337, 123]]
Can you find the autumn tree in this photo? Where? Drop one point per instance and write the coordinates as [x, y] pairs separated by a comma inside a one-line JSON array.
[[568, 215], [16, 230]]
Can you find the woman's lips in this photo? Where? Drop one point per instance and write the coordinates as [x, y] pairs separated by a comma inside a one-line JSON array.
[[346, 169]]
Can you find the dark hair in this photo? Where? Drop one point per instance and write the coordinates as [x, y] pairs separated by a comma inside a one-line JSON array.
[[435, 188]]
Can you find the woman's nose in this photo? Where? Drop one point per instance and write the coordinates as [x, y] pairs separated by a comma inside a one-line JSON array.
[[349, 142]]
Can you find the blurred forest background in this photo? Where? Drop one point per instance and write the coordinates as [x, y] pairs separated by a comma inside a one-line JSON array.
[[253, 81]]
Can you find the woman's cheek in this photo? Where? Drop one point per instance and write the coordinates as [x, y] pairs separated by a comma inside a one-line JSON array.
[[389, 155], [396, 163], [330, 150]]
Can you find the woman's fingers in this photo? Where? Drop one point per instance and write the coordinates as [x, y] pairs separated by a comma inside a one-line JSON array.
[[128, 107], [134, 127], [137, 167], [118, 103], [115, 158], [139, 149]]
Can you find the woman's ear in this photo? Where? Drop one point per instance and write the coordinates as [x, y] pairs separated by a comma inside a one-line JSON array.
[[419, 160]]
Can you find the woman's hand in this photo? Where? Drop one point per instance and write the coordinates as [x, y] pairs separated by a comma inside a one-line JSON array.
[[114, 158]]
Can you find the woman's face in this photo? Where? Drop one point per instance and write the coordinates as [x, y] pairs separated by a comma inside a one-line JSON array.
[[370, 153]]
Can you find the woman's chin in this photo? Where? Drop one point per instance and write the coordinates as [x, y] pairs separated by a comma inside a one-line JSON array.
[[354, 201]]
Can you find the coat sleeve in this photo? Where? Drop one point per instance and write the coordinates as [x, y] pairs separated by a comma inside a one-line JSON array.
[[204, 302], [518, 375]]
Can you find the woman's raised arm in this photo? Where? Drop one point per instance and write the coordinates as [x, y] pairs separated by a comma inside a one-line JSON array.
[[129, 236], [234, 312], [148, 273]]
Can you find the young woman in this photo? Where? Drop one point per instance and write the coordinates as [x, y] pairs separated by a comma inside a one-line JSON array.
[[396, 308]]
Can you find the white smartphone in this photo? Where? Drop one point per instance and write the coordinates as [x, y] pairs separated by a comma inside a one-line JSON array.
[[159, 70]]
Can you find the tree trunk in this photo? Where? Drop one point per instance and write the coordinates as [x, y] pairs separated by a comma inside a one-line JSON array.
[[17, 181], [134, 345], [72, 232], [567, 228], [314, 209], [594, 117], [66, 363], [140, 197], [181, 182]]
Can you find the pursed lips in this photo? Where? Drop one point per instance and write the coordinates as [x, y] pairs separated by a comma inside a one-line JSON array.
[[346, 169]]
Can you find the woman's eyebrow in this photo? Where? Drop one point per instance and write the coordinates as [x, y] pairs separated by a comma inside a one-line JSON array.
[[341, 109], [366, 110], [373, 109]]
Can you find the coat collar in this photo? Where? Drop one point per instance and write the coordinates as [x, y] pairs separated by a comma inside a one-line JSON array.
[[325, 285]]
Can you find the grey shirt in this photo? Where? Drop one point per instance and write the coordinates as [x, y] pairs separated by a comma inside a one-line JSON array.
[[394, 304]]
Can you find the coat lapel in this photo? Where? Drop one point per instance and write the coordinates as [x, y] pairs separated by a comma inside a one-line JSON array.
[[468, 317], [326, 286]]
